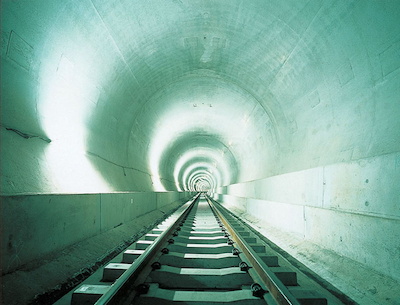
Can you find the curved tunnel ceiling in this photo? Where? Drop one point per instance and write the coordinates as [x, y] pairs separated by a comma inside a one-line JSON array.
[[168, 95], [204, 116]]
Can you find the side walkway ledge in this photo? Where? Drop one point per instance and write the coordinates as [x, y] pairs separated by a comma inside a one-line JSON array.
[[58, 238]]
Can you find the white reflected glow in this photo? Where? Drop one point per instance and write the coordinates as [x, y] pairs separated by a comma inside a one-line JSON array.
[[201, 180], [201, 185], [177, 120], [196, 168], [65, 103], [212, 155], [191, 171], [71, 171], [157, 185], [184, 108]]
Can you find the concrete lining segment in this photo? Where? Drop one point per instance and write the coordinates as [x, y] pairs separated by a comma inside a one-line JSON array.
[[26, 220], [345, 197], [286, 86], [343, 273], [259, 75], [67, 267]]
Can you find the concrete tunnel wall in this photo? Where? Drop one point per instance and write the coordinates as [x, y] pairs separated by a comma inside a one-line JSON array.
[[34, 226], [287, 110]]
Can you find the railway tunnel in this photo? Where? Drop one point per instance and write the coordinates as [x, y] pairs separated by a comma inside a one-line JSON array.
[[114, 113]]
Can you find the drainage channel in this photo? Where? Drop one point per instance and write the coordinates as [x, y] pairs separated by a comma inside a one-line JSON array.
[[200, 255]]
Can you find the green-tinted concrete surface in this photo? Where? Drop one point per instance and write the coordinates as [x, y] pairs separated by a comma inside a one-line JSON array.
[[291, 106]]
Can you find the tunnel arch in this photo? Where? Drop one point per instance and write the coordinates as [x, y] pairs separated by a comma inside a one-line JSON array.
[[302, 136], [279, 54], [205, 108], [213, 47]]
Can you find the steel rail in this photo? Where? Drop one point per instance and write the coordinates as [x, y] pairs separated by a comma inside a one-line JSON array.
[[275, 287], [124, 284]]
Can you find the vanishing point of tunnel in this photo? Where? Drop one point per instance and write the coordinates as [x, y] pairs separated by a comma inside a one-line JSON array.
[[113, 113]]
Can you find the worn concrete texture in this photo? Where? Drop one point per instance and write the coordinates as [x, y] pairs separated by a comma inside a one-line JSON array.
[[350, 208], [357, 280], [331, 213], [34, 226], [37, 268], [101, 96], [263, 98]]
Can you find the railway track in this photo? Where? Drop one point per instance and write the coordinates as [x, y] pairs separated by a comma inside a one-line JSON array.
[[201, 254]]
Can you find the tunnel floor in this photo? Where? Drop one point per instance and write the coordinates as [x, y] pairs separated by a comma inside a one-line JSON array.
[[201, 265]]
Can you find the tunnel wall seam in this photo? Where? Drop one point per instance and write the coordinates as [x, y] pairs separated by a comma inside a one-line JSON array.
[[350, 208]]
